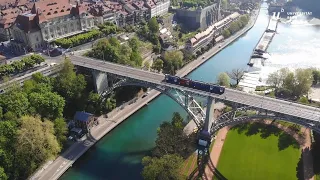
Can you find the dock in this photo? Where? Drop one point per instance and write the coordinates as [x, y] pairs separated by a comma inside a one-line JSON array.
[[261, 48], [259, 55]]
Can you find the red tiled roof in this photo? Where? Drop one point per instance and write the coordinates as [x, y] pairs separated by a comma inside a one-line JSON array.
[[51, 9]]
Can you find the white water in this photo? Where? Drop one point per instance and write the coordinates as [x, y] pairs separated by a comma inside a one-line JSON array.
[[293, 47]]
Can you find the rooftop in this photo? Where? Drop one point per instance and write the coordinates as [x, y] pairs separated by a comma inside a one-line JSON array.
[[82, 116]]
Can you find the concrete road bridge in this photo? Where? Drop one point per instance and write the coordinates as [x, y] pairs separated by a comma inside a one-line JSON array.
[[245, 107]]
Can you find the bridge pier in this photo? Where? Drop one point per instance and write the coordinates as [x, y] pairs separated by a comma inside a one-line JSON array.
[[100, 81]]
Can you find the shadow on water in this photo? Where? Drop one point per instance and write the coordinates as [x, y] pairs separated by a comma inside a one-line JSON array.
[[266, 130], [114, 165]]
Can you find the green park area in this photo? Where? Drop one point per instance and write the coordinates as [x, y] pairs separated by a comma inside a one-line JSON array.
[[257, 151]]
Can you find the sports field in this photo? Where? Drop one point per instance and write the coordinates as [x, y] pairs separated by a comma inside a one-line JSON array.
[[259, 152]]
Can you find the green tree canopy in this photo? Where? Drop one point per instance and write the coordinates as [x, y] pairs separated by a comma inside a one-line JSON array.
[[35, 144], [157, 65], [47, 104], [224, 80], [153, 25], [60, 130], [164, 168], [172, 140]]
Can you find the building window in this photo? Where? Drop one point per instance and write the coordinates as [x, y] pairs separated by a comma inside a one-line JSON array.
[[37, 39]]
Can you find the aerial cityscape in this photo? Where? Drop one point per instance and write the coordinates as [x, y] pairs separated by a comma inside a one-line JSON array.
[[160, 89]]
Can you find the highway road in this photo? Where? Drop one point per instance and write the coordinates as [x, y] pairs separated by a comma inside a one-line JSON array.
[[271, 104]]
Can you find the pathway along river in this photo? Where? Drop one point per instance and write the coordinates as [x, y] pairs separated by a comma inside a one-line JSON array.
[[118, 155]]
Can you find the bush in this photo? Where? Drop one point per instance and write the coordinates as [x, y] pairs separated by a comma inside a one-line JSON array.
[[78, 39]]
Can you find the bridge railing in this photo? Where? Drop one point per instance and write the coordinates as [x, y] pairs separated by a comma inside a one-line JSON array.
[[313, 106]]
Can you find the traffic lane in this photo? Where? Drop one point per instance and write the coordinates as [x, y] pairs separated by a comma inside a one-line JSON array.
[[116, 67], [121, 70], [253, 101], [56, 167]]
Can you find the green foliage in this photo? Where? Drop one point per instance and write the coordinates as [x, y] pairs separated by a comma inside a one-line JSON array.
[[291, 84], [236, 26], [224, 80], [15, 101], [226, 33], [47, 104], [172, 140], [316, 76], [111, 50], [108, 28], [196, 3], [19, 66], [78, 39], [3, 175], [164, 168], [173, 61], [35, 144], [153, 25], [60, 130], [304, 100], [157, 65], [68, 84]]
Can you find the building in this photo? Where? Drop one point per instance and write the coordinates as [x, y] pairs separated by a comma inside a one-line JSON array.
[[157, 7], [199, 18], [84, 120], [48, 21], [8, 15], [211, 35]]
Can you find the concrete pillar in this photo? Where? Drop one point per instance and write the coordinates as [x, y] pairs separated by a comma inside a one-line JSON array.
[[209, 114], [100, 81]]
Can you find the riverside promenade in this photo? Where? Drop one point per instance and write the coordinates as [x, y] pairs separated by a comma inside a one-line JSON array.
[[54, 169]]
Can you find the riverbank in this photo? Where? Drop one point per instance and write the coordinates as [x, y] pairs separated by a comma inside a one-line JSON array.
[[63, 162]]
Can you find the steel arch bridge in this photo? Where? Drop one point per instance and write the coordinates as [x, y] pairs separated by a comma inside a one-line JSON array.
[[187, 102]]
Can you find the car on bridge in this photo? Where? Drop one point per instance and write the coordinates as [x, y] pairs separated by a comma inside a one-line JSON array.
[[208, 87]]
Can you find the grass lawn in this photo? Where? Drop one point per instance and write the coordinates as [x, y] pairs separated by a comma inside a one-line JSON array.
[[259, 152]]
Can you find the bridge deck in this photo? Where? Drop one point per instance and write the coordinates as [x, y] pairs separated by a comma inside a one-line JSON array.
[[271, 104]]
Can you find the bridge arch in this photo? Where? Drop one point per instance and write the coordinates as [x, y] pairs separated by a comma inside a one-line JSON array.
[[181, 102], [225, 120]]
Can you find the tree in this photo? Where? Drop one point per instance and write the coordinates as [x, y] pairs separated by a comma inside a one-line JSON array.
[[224, 80], [37, 58], [110, 103], [224, 4], [18, 66], [236, 74], [316, 76], [153, 25], [164, 168], [157, 65], [68, 84], [136, 58], [277, 78], [172, 140], [47, 104], [147, 65], [35, 144], [304, 81], [15, 101], [226, 33], [3, 175], [60, 130], [134, 43], [174, 60]]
